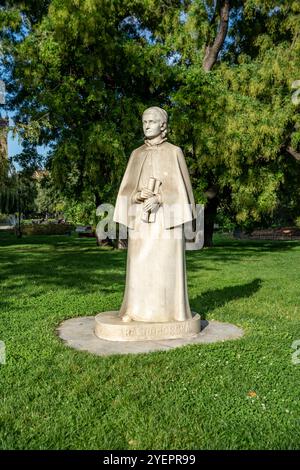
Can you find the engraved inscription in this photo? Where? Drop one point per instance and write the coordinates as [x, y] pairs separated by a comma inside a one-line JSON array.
[[168, 330]]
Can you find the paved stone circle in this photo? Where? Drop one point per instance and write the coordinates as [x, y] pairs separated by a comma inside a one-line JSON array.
[[78, 333]]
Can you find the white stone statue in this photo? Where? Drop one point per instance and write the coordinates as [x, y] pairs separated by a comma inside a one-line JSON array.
[[155, 200]]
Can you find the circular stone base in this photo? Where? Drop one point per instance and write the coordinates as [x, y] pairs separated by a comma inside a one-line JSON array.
[[78, 333], [108, 325]]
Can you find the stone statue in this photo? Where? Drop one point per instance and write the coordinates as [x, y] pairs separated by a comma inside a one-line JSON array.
[[155, 200]]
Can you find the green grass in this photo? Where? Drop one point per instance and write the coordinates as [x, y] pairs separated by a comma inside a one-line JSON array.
[[195, 397]]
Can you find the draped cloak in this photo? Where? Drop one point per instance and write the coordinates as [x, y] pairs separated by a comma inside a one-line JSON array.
[[156, 288]]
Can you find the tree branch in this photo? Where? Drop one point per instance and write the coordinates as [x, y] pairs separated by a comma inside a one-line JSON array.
[[212, 50], [293, 152]]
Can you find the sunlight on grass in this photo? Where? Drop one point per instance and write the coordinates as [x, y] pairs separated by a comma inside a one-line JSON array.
[[240, 394]]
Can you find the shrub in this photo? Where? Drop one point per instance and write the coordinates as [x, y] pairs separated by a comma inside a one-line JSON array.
[[47, 229], [3, 218], [297, 222]]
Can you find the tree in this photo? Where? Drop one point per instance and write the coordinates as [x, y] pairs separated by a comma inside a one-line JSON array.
[[237, 122], [48, 199], [90, 77], [220, 16], [18, 188], [17, 196], [222, 68]]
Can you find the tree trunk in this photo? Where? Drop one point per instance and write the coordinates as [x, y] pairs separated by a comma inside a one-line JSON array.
[[210, 212], [19, 228], [213, 47], [294, 153]]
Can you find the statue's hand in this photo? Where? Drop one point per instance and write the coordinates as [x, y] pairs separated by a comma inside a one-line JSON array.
[[146, 193], [137, 198], [151, 203]]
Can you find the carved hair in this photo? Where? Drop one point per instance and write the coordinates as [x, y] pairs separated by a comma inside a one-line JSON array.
[[163, 117]]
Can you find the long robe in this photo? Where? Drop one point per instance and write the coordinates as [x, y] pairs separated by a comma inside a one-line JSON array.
[[156, 288]]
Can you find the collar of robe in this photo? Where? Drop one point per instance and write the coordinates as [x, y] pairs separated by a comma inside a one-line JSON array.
[[156, 141]]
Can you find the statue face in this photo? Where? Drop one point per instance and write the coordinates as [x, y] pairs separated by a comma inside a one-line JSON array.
[[152, 125]]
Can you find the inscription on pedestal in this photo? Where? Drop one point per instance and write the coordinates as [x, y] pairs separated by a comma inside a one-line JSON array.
[[109, 326]]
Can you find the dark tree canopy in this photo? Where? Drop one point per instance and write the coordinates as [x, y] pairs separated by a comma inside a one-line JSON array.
[[82, 71]]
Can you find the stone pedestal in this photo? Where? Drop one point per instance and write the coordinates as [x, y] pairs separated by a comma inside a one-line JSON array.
[[109, 326], [79, 333]]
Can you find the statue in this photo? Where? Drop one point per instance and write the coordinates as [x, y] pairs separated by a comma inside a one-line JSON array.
[[155, 204], [155, 200]]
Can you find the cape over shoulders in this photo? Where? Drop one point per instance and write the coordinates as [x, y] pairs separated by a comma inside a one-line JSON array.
[[164, 146], [176, 185]]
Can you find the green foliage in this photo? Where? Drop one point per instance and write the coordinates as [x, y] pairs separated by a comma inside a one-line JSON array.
[[17, 193], [90, 76], [224, 222], [95, 65], [48, 199], [236, 122], [80, 212], [3, 218], [297, 222]]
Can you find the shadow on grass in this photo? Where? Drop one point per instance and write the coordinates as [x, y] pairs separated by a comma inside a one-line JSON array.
[[78, 264], [55, 262], [212, 299], [253, 246], [232, 251]]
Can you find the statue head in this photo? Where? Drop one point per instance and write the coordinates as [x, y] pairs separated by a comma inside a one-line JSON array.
[[155, 122]]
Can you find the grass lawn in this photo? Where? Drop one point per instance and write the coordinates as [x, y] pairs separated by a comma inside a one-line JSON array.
[[241, 394]]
